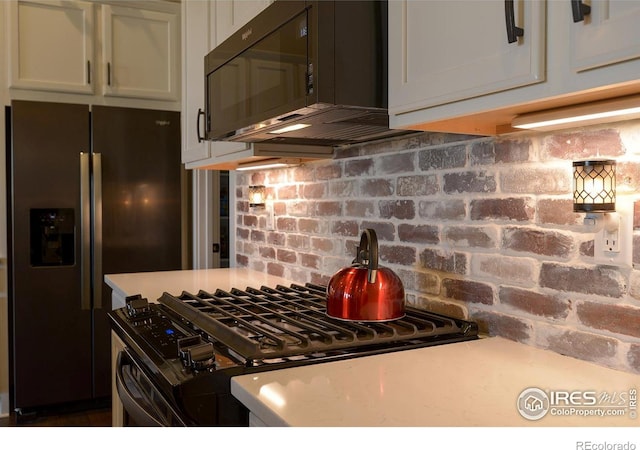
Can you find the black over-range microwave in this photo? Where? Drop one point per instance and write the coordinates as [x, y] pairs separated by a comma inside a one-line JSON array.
[[302, 72]]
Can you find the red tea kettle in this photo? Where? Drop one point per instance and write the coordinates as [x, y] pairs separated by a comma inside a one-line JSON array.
[[365, 292]]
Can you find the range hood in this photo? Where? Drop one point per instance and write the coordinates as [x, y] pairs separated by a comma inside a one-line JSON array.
[[321, 124], [302, 74]]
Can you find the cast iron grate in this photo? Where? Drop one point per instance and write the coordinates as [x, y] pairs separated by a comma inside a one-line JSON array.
[[268, 323]]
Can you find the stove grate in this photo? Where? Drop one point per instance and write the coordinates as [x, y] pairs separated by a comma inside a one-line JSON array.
[[289, 321]]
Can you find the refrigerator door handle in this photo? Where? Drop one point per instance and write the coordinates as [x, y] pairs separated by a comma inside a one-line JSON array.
[[85, 232], [97, 230]]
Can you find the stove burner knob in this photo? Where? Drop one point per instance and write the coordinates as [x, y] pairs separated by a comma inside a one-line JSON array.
[[195, 353], [137, 305], [202, 356]]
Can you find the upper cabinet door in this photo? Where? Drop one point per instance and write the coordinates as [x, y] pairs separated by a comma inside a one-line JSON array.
[[52, 45], [141, 53], [443, 51], [202, 22], [195, 45], [232, 14], [606, 35]]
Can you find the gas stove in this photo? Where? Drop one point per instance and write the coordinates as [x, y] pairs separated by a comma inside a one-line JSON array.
[[187, 347]]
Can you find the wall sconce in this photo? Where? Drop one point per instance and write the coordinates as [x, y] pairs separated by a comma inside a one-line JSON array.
[[257, 196], [594, 192], [617, 109], [594, 186]]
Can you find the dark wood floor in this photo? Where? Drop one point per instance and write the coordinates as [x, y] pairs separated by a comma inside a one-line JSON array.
[[100, 417]]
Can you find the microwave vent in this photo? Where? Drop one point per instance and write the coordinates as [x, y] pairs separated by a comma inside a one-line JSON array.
[[378, 119]]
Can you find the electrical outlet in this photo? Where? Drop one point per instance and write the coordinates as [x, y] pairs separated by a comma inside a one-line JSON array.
[[271, 216], [613, 243], [611, 235]]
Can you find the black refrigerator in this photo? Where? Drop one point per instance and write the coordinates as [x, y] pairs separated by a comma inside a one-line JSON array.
[[91, 191]]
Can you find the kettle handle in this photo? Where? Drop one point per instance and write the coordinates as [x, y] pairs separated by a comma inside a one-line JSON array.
[[368, 250]]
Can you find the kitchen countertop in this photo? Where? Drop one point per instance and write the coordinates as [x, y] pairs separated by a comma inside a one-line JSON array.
[[153, 284], [466, 384], [474, 383]]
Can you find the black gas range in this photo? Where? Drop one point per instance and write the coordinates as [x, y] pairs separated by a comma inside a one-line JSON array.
[[182, 351]]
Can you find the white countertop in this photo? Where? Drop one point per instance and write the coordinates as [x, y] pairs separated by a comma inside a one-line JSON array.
[[465, 384], [153, 284]]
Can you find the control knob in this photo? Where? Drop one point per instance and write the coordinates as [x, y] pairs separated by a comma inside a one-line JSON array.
[[196, 353], [137, 306]]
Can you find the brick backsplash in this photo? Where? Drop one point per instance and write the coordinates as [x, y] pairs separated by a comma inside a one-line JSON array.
[[476, 227]]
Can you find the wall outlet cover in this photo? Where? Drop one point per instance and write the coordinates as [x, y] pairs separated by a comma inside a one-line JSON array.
[[613, 245]]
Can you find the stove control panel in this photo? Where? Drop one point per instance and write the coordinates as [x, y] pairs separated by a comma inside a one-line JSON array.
[[172, 339], [153, 327]]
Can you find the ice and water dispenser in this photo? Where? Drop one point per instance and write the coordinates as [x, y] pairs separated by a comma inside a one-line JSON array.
[[52, 237]]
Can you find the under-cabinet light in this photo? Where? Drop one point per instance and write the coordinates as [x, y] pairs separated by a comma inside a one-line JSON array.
[[272, 163], [623, 108], [287, 129]]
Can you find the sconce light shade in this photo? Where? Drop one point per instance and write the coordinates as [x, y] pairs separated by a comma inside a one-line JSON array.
[[257, 196], [594, 186]]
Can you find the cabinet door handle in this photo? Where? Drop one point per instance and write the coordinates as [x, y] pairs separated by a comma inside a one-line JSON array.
[[200, 113], [579, 10], [509, 16], [108, 74], [88, 72]]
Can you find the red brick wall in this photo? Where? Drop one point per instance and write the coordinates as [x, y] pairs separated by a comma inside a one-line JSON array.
[[481, 228]]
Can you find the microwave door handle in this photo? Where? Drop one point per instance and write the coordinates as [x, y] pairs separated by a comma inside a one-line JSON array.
[[97, 230], [85, 233]]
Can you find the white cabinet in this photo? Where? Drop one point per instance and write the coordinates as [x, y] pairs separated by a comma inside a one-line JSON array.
[[96, 48], [195, 45], [474, 82], [607, 35], [52, 46], [140, 53], [205, 24], [442, 51], [230, 15]]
